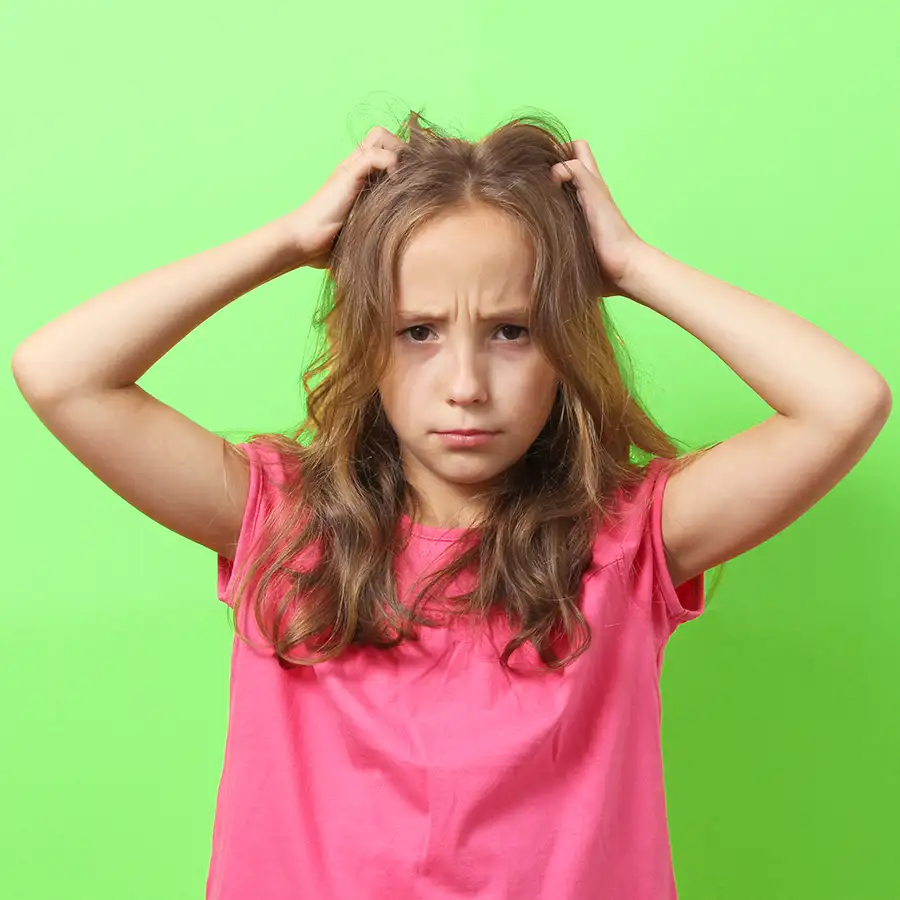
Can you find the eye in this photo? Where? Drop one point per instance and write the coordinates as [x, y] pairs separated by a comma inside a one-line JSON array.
[[520, 328], [416, 328], [420, 328]]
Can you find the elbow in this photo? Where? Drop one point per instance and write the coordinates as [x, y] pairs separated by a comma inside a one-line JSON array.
[[859, 415], [30, 376], [882, 400], [871, 412]]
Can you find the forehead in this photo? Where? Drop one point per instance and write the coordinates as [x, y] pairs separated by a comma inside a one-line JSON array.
[[478, 257]]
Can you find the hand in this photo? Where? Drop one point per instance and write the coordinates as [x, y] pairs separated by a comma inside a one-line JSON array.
[[614, 239], [313, 227]]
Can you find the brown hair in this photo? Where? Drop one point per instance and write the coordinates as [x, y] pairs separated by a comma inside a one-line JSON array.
[[540, 519]]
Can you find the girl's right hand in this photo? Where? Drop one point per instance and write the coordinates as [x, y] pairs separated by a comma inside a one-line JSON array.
[[313, 227]]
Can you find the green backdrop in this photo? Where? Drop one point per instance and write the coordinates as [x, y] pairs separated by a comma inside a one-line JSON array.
[[757, 142]]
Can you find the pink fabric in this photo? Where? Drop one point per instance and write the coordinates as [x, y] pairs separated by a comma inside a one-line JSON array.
[[430, 773]]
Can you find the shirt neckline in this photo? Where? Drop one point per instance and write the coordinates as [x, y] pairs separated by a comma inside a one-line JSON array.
[[433, 532]]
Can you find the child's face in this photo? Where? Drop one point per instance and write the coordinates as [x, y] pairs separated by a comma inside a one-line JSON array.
[[463, 373]]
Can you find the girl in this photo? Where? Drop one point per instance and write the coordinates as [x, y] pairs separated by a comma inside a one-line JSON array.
[[471, 448]]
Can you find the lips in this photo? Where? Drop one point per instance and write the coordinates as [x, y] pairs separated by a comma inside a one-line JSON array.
[[468, 431]]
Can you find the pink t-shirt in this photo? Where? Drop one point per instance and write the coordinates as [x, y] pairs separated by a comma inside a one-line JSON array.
[[429, 772]]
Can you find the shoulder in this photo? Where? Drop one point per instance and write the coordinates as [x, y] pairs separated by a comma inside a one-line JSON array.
[[271, 461], [268, 478], [633, 502], [633, 531], [268, 467]]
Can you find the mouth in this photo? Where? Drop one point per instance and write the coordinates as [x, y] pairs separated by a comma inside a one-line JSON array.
[[468, 432], [470, 437]]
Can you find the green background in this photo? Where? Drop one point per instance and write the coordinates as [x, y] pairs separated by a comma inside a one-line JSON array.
[[757, 142]]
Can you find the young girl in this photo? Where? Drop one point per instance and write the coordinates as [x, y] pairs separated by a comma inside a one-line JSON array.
[[452, 597]]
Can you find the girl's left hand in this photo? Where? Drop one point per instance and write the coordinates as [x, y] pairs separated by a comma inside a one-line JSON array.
[[614, 239]]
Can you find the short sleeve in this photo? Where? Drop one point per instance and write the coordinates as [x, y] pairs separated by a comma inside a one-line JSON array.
[[644, 557], [267, 473]]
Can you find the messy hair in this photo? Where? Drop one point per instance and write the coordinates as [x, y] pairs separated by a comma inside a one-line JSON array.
[[346, 492]]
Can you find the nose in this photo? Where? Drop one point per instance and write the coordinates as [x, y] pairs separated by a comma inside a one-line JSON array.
[[467, 378]]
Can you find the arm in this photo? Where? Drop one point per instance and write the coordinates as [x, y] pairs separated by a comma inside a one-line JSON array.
[[112, 339], [829, 407], [78, 374]]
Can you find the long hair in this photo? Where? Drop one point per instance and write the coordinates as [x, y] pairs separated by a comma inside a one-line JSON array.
[[346, 491]]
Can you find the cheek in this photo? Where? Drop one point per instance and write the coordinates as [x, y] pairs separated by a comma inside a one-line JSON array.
[[397, 400], [535, 396]]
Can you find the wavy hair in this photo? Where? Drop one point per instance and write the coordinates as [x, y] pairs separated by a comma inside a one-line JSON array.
[[346, 491]]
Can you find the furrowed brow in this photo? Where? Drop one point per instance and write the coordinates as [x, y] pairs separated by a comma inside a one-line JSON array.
[[505, 315]]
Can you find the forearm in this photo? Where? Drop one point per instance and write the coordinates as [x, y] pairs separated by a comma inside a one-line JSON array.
[[112, 339], [798, 369]]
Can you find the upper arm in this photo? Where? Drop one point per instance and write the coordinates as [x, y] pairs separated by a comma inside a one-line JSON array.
[[158, 460], [746, 489]]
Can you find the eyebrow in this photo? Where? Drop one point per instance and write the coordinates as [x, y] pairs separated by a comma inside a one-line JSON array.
[[504, 315]]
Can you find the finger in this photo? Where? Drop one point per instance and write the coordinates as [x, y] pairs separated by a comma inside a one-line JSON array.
[[571, 170], [581, 150], [378, 136], [377, 139], [587, 157], [373, 158]]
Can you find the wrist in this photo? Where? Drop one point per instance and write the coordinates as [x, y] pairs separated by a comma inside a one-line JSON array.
[[640, 255], [287, 247]]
